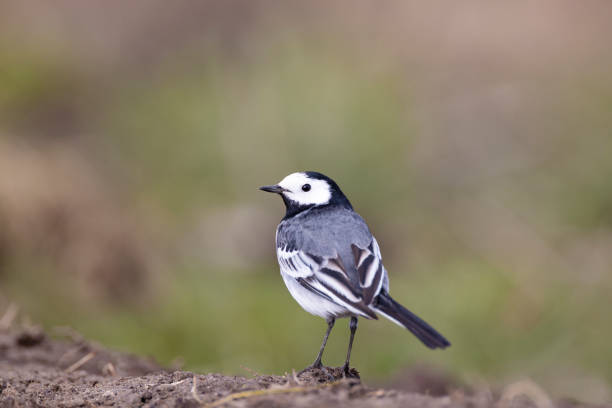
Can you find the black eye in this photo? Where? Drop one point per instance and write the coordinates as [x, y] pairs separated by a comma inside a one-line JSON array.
[[306, 187]]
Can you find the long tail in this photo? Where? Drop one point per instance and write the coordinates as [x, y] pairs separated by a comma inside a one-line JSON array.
[[398, 314]]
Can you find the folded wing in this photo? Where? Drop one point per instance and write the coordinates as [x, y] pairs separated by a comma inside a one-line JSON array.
[[326, 277]]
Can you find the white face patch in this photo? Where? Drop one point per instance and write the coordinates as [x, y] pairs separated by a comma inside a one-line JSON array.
[[319, 193]]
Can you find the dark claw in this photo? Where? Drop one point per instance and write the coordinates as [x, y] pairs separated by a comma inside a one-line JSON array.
[[345, 371], [348, 373]]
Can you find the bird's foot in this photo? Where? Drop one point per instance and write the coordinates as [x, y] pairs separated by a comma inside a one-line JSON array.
[[348, 372], [318, 366]]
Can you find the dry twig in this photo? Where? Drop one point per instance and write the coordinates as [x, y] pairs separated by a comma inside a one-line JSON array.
[[81, 362], [194, 391], [267, 391]]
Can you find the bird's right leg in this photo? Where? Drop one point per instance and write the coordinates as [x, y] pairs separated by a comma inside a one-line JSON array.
[[317, 363]]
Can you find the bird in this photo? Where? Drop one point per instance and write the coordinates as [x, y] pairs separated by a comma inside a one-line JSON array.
[[332, 264]]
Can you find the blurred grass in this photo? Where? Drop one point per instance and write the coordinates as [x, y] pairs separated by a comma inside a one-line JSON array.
[[194, 137]]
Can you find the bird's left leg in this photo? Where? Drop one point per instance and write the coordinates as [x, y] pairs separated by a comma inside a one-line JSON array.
[[353, 327], [317, 363]]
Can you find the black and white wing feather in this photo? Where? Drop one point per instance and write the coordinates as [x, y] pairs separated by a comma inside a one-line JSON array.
[[330, 278], [372, 273], [326, 277]]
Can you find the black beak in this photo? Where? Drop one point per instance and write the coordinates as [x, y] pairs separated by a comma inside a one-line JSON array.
[[272, 189]]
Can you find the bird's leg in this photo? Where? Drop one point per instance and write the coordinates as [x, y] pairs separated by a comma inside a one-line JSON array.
[[330, 325], [353, 327], [317, 363]]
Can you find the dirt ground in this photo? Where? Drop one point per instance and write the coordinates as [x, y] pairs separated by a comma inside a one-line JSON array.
[[65, 370]]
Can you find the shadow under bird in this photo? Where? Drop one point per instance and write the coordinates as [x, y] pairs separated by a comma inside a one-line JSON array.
[[331, 263]]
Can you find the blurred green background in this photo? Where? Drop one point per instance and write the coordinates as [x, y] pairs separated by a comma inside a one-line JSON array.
[[475, 138]]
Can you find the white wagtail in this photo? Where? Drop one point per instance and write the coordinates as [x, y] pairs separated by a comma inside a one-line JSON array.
[[331, 263]]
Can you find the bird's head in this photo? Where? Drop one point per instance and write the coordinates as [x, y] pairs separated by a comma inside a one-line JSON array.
[[304, 190]]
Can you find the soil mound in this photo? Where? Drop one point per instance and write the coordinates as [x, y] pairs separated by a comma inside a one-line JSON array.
[[38, 371]]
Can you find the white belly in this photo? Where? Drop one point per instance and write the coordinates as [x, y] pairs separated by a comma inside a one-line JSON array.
[[311, 302]]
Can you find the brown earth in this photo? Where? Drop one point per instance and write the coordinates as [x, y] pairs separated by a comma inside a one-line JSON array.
[[39, 371]]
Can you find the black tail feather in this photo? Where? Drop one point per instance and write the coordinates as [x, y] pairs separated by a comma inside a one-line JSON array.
[[388, 307]]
